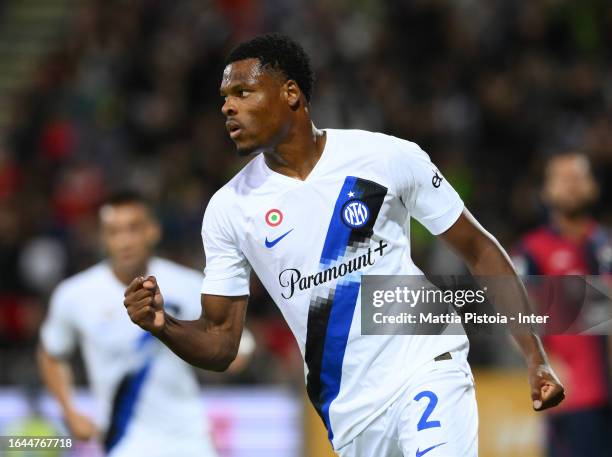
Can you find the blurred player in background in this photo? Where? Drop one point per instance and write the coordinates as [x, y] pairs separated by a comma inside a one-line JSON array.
[[572, 243], [313, 212], [148, 399]]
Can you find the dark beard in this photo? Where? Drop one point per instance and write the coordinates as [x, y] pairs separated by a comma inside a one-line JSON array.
[[577, 212]]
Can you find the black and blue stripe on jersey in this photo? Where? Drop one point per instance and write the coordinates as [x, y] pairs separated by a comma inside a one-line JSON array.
[[330, 316], [126, 397]]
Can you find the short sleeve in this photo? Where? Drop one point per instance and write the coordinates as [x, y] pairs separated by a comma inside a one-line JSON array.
[[227, 271], [427, 195], [58, 333]]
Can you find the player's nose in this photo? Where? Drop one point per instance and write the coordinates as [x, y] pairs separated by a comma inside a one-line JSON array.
[[229, 108]]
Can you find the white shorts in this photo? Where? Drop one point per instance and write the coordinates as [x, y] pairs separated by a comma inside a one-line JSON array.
[[436, 416]]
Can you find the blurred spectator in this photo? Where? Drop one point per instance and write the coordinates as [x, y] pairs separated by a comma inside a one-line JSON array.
[[572, 243]]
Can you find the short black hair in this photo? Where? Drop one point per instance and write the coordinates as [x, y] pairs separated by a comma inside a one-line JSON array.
[[128, 197], [281, 53]]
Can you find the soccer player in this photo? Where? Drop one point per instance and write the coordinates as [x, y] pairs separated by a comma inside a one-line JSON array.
[[572, 243], [299, 214], [148, 399]]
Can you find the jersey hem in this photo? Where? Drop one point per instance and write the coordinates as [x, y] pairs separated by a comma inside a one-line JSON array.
[[442, 223], [224, 287]]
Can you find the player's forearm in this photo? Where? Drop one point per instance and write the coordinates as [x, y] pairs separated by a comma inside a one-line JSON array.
[[57, 376], [494, 269], [199, 343]]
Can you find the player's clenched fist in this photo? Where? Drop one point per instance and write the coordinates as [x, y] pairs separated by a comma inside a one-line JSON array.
[[145, 304], [546, 389]]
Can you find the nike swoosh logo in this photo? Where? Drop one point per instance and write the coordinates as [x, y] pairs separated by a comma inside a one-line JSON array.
[[425, 451], [271, 244]]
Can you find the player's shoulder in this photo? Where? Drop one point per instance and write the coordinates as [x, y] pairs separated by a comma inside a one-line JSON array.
[[82, 281], [379, 143], [174, 271], [242, 183], [357, 137], [601, 234]]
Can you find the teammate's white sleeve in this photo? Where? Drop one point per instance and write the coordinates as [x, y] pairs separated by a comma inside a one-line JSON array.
[[227, 271], [58, 333], [190, 282], [427, 195]]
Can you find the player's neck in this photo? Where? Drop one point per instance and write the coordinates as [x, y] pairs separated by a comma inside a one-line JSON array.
[[299, 152], [574, 227]]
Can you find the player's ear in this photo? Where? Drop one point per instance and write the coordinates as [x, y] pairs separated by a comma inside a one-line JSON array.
[[292, 93], [593, 189], [103, 241], [154, 233]]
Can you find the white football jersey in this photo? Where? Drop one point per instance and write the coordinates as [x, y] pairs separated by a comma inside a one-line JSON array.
[[310, 241], [138, 383]]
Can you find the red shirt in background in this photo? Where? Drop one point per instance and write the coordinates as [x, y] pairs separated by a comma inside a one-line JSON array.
[[546, 252]]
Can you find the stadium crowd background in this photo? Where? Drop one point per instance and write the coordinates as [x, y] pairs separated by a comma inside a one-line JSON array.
[[128, 97]]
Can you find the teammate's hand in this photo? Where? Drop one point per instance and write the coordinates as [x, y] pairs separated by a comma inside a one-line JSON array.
[[145, 304], [81, 427], [546, 389]]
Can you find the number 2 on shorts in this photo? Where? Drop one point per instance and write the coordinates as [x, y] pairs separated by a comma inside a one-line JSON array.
[[433, 401]]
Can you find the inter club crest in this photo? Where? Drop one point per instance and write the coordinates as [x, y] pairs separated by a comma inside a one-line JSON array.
[[355, 213]]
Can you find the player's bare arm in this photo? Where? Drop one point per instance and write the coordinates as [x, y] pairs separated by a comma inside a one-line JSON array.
[[57, 375], [210, 342], [484, 256]]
